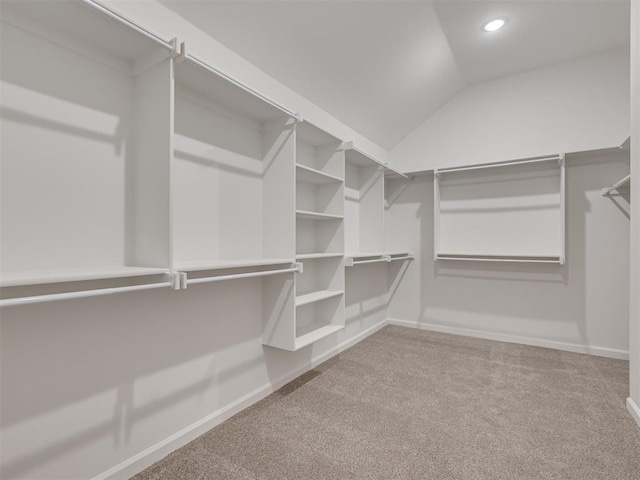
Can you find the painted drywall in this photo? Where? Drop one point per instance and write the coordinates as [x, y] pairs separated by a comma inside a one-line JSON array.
[[634, 323], [572, 107], [580, 306], [89, 384]]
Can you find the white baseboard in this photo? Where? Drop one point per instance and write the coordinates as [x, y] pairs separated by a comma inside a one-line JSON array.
[[146, 458], [634, 410], [568, 347]]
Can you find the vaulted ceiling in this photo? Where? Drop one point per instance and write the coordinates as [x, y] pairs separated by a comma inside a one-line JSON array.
[[383, 67]]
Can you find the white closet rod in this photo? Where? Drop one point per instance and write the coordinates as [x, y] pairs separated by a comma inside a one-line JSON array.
[[406, 257], [498, 164], [235, 82], [125, 21], [386, 258], [615, 186], [10, 302], [295, 269], [509, 260]]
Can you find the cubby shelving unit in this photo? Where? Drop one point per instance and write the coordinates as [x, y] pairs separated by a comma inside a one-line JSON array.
[[319, 213], [364, 210], [85, 145]]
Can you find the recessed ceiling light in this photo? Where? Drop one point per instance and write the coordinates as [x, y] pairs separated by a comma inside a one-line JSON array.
[[494, 25]]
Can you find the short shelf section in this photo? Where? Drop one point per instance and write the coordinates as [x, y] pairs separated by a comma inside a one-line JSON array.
[[317, 216], [227, 264], [316, 296], [315, 335], [312, 176], [312, 256]]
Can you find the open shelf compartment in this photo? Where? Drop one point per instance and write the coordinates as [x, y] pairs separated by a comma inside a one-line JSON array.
[[85, 147], [233, 175]]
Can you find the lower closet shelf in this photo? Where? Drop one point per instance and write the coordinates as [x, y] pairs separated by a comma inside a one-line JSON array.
[[315, 335], [40, 277], [316, 296]]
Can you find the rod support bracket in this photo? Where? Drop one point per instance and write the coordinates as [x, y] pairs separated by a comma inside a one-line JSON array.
[[347, 145], [179, 53], [299, 118], [174, 278], [299, 266]]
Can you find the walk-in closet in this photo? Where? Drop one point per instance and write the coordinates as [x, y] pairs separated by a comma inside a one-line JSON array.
[[314, 240]]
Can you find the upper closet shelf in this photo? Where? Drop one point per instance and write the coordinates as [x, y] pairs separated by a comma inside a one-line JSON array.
[[202, 265], [40, 277], [359, 158], [223, 91], [619, 184], [92, 30]]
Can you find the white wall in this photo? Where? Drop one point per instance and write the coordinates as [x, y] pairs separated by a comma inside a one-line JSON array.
[[582, 305], [634, 333], [572, 107]]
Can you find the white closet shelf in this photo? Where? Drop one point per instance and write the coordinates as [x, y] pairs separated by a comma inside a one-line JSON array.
[[315, 335], [312, 176], [40, 277], [317, 216], [364, 255], [220, 89], [501, 258], [311, 256], [317, 296], [224, 264]]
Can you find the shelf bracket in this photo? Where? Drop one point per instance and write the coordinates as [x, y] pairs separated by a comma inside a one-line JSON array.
[[174, 278], [299, 266], [347, 146], [179, 53], [299, 118]]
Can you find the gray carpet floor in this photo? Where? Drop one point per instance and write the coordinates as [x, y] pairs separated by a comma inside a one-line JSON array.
[[408, 404]]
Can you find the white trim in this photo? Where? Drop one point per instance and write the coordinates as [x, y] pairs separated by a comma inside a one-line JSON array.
[[146, 458], [500, 337], [634, 410]]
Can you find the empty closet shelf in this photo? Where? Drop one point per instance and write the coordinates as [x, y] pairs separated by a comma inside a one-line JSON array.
[[315, 335], [316, 296], [226, 264], [311, 256], [501, 258], [40, 277], [310, 175], [317, 216]]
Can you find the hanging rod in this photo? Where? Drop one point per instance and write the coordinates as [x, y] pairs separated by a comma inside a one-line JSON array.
[[615, 186], [558, 158], [404, 257], [351, 262], [202, 64], [125, 21], [513, 259], [296, 268], [10, 302]]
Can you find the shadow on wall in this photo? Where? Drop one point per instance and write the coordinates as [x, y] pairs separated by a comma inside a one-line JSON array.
[[121, 360]]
